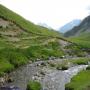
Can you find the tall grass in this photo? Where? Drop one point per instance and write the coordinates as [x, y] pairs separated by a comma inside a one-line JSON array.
[[16, 57], [80, 81]]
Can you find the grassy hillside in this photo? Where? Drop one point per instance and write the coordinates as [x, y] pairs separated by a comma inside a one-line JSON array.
[[83, 40], [22, 41], [25, 24]]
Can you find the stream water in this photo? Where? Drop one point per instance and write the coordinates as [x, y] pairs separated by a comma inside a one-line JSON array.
[[54, 80], [58, 79]]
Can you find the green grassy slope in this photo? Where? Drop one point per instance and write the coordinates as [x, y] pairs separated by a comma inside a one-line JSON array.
[[83, 40], [21, 41], [25, 24]]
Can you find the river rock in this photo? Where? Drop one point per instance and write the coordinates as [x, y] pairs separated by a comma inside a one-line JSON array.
[[2, 81]]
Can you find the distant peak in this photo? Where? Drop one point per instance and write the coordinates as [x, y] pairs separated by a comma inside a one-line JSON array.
[[69, 25]]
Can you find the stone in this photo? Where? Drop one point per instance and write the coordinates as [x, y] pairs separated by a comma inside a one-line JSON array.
[[2, 81]]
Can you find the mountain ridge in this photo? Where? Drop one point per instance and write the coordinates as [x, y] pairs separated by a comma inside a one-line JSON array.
[[70, 25], [82, 28], [81, 34]]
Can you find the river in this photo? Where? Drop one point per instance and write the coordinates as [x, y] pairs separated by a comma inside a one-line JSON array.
[[51, 79]]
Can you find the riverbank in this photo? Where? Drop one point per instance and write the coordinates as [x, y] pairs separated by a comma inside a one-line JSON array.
[[80, 81], [43, 72]]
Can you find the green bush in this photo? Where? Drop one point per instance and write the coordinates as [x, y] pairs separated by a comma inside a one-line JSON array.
[[5, 66], [17, 59], [82, 61], [33, 85], [88, 68], [69, 88], [62, 67], [14, 56], [58, 67], [52, 65]]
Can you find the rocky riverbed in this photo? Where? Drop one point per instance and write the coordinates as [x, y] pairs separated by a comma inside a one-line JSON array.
[[56, 80], [50, 78]]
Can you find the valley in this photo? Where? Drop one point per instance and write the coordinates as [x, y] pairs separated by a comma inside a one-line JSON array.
[[29, 52]]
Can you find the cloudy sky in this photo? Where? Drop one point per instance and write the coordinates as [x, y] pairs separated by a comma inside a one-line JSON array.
[[54, 13]]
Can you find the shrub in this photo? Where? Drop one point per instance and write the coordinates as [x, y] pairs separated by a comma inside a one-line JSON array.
[[5, 66], [88, 68], [82, 61], [52, 64], [64, 68], [58, 67], [69, 88], [17, 59], [2, 74], [33, 85], [13, 56]]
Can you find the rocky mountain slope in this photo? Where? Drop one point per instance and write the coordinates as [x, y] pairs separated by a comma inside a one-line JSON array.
[[81, 34], [84, 27], [70, 25]]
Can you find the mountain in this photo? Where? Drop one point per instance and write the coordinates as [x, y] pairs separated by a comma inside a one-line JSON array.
[[44, 25], [81, 33], [84, 27], [70, 25]]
